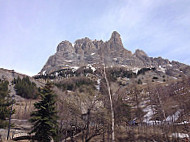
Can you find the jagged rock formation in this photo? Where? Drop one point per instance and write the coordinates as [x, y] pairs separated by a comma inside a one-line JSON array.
[[112, 52]]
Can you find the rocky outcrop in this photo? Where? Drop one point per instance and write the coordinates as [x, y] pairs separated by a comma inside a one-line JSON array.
[[112, 52]]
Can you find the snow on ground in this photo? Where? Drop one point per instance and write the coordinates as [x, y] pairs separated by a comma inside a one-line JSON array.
[[56, 74], [98, 84], [68, 60], [160, 81], [162, 69], [93, 68], [154, 122], [174, 117], [44, 72], [184, 122], [126, 99], [174, 77], [115, 59], [124, 65], [135, 70], [75, 68], [179, 135], [149, 114]]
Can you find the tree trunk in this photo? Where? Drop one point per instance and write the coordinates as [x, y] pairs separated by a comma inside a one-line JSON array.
[[111, 105], [160, 102], [103, 138], [88, 123]]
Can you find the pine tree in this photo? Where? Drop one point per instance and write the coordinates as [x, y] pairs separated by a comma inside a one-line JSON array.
[[44, 119], [25, 88], [5, 103]]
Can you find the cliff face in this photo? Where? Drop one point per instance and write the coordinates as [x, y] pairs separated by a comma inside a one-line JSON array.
[[112, 52]]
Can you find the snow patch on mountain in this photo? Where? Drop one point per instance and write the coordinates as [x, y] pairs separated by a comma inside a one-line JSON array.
[[98, 84], [174, 117], [162, 69], [75, 68], [44, 72], [93, 68], [179, 135], [68, 60], [135, 70], [149, 114]]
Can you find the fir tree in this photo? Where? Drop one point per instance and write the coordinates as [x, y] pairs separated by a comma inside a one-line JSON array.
[[5, 103], [25, 88], [44, 119]]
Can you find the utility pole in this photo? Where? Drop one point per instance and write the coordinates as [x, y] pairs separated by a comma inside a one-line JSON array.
[[9, 127]]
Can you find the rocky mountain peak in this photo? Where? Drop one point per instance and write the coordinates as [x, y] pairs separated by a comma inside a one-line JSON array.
[[115, 42], [83, 40], [140, 53], [111, 52], [64, 46], [115, 36], [116, 39]]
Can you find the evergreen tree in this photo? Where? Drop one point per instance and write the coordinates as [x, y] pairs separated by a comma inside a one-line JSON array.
[[44, 119], [25, 88], [5, 103]]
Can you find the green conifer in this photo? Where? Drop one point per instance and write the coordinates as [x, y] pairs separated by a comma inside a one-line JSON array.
[[25, 88], [44, 119], [5, 103]]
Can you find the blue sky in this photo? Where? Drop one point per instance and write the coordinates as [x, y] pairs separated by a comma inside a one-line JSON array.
[[31, 30]]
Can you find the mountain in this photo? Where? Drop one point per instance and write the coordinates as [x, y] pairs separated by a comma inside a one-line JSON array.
[[145, 91], [112, 52]]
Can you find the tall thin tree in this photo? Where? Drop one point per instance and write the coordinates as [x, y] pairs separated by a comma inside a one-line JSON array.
[[5, 104], [111, 105]]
